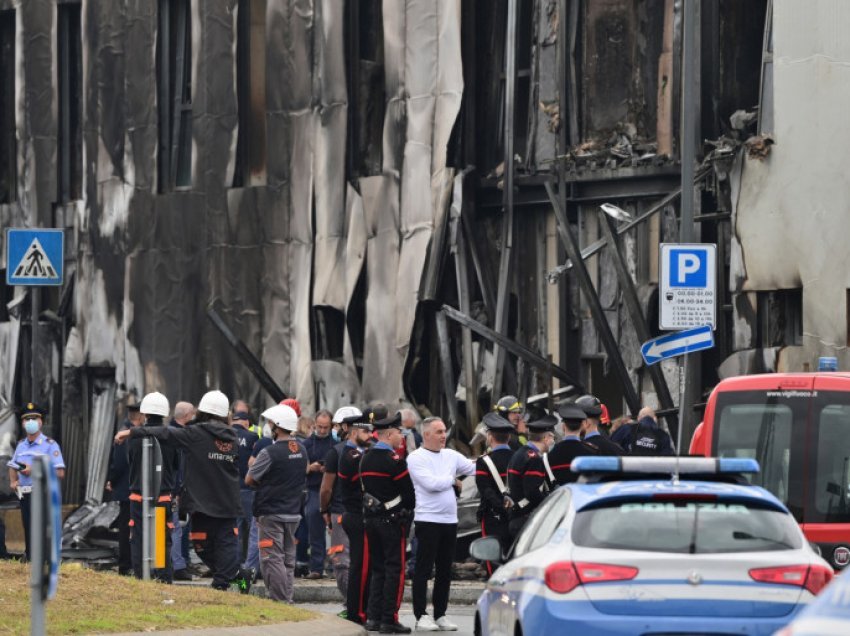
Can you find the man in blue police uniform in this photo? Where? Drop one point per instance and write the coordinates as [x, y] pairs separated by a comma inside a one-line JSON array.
[[20, 466]]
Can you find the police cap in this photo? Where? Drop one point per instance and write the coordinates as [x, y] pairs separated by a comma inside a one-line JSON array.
[[590, 404], [494, 421], [31, 409], [569, 412], [544, 424], [390, 421]]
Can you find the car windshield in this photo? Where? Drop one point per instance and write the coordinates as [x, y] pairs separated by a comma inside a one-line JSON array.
[[688, 527]]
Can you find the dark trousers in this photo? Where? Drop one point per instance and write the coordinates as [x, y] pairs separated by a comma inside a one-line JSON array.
[[317, 530], [515, 525], [436, 550], [387, 542], [3, 552], [215, 542], [125, 562], [25, 520], [494, 527], [357, 592], [165, 574], [244, 523]]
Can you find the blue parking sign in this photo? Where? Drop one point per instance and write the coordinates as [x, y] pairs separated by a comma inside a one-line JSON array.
[[34, 257], [687, 286], [688, 267]]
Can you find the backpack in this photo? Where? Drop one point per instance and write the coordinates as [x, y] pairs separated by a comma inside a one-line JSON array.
[[646, 440]]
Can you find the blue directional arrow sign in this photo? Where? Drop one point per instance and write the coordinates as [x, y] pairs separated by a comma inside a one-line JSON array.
[[677, 344], [34, 257]]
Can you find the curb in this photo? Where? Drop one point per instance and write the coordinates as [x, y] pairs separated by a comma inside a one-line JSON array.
[[462, 592], [323, 624]]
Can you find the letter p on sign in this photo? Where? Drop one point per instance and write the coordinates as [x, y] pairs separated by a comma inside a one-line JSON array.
[[688, 268]]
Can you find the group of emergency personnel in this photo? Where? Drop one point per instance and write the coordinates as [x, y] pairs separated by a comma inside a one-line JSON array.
[[366, 497], [513, 478]]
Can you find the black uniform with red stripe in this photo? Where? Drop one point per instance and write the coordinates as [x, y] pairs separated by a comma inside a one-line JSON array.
[[523, 505], [351, 495], [492, 514], [384, 476], [602, 445], [560, 458]]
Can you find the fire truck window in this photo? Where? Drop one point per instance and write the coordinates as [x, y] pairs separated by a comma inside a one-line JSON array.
[[833, 473]]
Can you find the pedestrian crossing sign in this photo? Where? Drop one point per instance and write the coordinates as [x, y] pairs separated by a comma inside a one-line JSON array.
[[34, 257]]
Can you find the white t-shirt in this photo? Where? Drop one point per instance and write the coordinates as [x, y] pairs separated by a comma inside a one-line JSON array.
[[433, 474]]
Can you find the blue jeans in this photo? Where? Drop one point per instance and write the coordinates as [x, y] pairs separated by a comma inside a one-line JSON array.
[[248, 532], [178, 562], [316, 530]]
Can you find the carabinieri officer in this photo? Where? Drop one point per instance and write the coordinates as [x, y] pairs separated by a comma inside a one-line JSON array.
[[20, 466], [388, 499]]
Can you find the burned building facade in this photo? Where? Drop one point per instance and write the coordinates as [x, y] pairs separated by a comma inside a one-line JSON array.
[[373, 200]]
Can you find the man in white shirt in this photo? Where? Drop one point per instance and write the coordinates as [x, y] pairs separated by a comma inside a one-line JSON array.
[[434, 470]]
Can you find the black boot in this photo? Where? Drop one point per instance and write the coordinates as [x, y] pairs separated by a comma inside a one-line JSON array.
[[393, 628]]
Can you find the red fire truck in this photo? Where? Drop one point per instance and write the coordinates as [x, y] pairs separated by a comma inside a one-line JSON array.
[[797, 425]]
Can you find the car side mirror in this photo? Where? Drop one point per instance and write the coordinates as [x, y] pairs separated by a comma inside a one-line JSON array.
[[486, 549]]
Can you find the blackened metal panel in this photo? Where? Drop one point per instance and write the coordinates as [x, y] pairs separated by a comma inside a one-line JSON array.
[[382, 364]]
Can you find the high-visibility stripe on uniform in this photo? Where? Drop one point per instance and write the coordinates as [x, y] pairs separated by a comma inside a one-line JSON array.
[[197, 536], [265, 543], [135, 496]]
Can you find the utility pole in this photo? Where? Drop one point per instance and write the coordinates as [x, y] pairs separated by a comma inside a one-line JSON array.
[[689, 376]]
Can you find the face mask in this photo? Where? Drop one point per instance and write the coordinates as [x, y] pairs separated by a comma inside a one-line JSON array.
[[335, 435], [267, 431], [31, 427]]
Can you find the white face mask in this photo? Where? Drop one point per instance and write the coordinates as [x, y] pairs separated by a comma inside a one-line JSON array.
[[267, 430], [31, 427]]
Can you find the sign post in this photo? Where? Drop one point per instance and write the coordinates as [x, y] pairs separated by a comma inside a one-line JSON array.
[[45, 540], [34, 258]]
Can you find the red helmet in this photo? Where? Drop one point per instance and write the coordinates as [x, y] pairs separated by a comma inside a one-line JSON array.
[[293, 404]]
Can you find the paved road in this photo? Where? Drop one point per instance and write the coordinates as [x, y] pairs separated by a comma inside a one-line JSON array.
[[463, 615]]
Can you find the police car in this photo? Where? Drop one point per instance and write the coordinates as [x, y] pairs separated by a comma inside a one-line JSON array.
[[828, 615], [652, 545]]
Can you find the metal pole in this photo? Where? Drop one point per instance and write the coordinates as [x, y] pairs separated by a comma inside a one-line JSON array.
[[34, 311], [36, 531], [689, 115], [683, 371], [501, 321], [147, 523]]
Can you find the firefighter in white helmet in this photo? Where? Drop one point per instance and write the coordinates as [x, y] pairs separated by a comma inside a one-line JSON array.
[[211, 485], [280, 476]]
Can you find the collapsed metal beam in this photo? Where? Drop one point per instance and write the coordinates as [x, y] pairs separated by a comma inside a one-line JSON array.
[[249, 359], [609, 231], [446, 374], [596, 311], [511, 346]]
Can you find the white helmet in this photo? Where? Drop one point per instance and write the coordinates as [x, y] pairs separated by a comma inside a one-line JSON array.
[[214, 403], [282, 416], [155, 404], [345, 412]]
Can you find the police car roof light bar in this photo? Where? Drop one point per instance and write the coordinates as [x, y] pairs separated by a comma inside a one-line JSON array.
[[671, 465]]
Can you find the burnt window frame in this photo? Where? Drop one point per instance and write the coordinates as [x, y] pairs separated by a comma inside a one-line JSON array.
[[69, 64], [251, 140], [786, 307], [174, 94], [364, 18], [8, 123]]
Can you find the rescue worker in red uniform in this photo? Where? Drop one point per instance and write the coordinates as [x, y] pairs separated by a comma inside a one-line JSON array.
[[388, 499], [491, 476]]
